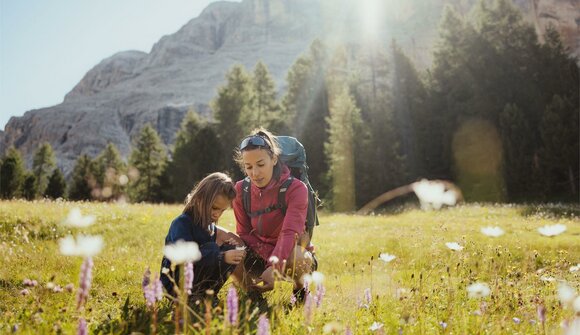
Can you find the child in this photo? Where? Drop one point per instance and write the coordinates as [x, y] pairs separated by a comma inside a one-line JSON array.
[[219, 257]]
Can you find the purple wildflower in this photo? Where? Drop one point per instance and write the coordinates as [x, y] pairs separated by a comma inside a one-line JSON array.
[[146, 280], [82, 330], [320, 291], [443, 325], [153, 292], [306, 286], [25, 292], [293, 299], [85, 281], [263, 325], [188, 277], [308, 309], [158, 289], [232, 301], [347, 331], [541, 313], [368, 296], [517, 321]]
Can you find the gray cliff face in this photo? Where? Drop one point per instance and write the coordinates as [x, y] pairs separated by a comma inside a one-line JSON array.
[[124, 92], [121, 94]]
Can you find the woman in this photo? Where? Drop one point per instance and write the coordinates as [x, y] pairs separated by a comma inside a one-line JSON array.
[[203, 208], [271, 233]]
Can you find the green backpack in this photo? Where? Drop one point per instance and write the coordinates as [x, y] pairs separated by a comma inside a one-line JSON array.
[[294, 156]]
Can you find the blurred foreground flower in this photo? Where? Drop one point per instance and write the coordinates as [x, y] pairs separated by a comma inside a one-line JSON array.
[[492, 231], [478, 290], [375, 326], [82, 328], [386, 257], [454, 246], [232, 303], [86, 276], [181, 252], [432, 194], [263, 325], [552, 230], [566, 294], [76, 219], [332, 327], [84, 245]]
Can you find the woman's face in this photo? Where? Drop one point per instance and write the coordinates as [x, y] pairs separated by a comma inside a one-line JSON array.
[[259, 166], [220, 204]]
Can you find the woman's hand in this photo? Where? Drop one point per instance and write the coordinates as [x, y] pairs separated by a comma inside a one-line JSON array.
[[267, 278], [234, 257]]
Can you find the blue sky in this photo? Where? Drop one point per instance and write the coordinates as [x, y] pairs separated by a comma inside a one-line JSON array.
[[46, 47]]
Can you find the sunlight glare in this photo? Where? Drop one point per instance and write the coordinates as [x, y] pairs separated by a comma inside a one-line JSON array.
[[372, 15]]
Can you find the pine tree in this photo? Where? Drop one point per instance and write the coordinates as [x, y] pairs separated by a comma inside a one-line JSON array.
[[267, 110], [306, 101], [56, 185], [81, 182], [148, 158], [344, 115], [231, 109], [559, 152], [197, 153], [43, 164], [29, 187], [11, 174], [380, 165], [409, 98], [108, 166], [518, 151]]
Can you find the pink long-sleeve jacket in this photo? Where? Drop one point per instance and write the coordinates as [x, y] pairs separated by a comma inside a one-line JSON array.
[[273, 233]]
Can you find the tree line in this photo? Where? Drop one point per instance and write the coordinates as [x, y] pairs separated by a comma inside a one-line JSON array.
[[497, 113]]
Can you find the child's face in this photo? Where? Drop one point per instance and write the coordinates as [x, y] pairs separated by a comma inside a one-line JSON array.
[[220, 204]]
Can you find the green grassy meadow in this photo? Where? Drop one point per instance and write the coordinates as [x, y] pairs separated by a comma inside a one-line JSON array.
[[422, 291]]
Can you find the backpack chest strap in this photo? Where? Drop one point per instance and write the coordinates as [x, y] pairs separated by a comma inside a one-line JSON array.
[[246, 198]]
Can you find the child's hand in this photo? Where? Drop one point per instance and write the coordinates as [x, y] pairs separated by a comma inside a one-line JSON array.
[[234, 257]]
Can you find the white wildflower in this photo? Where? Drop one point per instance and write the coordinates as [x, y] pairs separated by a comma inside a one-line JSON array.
[[576, 304], [317, 277], [478, 290], [386, 257], [376, 326], [492, 231], [181, 252], [566, 294], [76, 219], [83, 245], [552, 230], [547, 279], [432, 194], [454, 246], [575, 268]]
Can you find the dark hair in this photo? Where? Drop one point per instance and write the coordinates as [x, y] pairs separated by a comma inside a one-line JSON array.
[[199, 202], [273, 149]]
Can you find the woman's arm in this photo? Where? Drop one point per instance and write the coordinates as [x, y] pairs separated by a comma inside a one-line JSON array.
[[294, 220]]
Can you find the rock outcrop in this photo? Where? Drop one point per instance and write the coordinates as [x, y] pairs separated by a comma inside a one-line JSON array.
[[121, 94]]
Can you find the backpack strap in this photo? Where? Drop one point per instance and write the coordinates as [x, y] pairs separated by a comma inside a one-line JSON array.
[[282, 194], [246, 198]]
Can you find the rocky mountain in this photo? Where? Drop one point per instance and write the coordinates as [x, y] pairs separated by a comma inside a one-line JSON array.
[[122, 93]]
